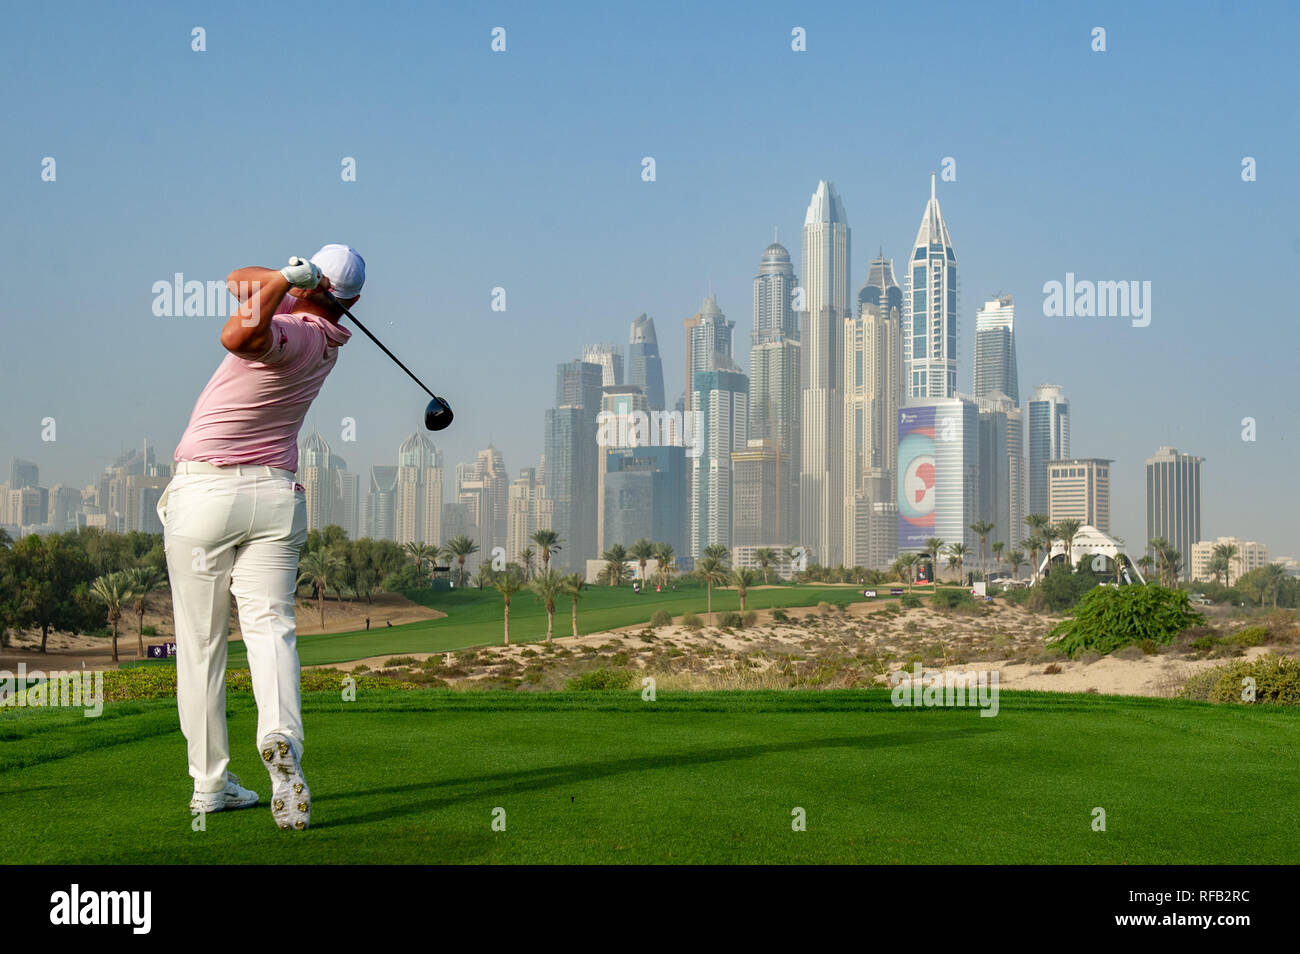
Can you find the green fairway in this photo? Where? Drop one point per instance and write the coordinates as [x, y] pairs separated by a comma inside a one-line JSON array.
[[474, 618], [414, 777]]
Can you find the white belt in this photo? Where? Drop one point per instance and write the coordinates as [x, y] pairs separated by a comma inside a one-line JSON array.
[[241, 470]]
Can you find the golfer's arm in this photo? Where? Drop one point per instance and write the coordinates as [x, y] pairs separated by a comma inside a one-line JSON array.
[[259, 291]]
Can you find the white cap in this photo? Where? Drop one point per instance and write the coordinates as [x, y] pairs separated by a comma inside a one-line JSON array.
[[345, 269]]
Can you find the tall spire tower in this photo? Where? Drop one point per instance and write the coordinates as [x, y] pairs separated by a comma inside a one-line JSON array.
[[930, 309], [826, 303]]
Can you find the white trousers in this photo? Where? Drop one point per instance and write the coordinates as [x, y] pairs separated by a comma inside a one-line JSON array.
[[237, 531]]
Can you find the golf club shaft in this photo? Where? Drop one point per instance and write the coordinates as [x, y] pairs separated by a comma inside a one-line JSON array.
[[381, 346]]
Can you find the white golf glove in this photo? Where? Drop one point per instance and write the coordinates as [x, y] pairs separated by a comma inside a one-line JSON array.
[[301, 273]]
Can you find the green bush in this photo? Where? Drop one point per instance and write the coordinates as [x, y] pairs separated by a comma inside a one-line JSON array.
[[150, 631], [692, 621], [601, 679], [661, 618], [1277, 681], [1109, 618], [750, 618], [909, 601], [780, 616], [731, 621], [1251, 636], [952, 599]]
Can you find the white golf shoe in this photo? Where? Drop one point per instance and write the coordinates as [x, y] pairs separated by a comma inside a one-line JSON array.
[[290, 797], [233, 796]]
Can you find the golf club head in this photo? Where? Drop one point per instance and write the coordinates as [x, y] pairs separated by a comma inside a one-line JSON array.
[[437, 416]]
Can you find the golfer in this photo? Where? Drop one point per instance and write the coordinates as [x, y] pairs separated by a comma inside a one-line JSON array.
[[234, 519]]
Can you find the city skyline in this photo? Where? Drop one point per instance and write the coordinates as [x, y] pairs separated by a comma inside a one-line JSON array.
[[1028, 201]]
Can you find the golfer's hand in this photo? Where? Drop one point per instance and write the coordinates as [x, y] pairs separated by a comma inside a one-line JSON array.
[[301, 273]]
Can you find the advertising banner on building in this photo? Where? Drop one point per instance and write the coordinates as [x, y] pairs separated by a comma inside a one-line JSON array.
[[916, 477]]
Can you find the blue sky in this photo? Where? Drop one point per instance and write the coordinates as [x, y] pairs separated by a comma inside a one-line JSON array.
[[522, 169]]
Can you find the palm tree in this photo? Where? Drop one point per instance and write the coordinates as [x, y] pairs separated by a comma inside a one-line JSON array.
[[710, 571], [910, 562], [982, 528], [460, 546], [1015, 558], [642, 551], [1066, 531], [1219, 565], [666, 560], [1170, 563], [421, 552], [549, 541], [997, 547], [508, 584], [791, 554], [526, 556], [144, 581], [1229, 553], [1146, 563], [484, 575], [1121, 559], [957, 556], [548, 585], [319, 568], [765, 556], [113, 590], [1038, 525], [1034, 544], [932, 548], [742, 580], [717, 552], [615, 564], [571, 585], [1271, 577]]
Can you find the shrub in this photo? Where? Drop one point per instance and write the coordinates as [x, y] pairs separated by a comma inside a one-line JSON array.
[[1109, 618], [151, 631], [692, 621], [601, 679], [1251, 636], [401, 661], [952, 599], [825, 609], [1277, 681], [750, 618], [909, 601], [1052, 669], [730, 621], [661, 618], [780, 616]]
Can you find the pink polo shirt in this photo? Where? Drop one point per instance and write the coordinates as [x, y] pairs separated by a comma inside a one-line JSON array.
[[251, 411]]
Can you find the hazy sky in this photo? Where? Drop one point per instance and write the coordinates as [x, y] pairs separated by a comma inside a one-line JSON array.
[[522, 169]]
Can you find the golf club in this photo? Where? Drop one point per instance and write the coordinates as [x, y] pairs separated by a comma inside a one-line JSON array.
[[437, 416]]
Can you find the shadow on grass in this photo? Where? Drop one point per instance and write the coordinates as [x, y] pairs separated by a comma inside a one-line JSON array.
[[528, 780]]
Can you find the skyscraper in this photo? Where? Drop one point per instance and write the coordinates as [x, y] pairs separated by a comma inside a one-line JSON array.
[[644, 367], [317, 480], [418, 492], [775, 395], [938, 473], [1049, 440], [826, 240], [528, 510], [1174, 501], [570, 448], [872, 383], [483, 488], [1002, 468], [379, 521], [621, 407], [930, 309], [610, 359], [23, 473], [722, 399], [995, 349], [645, 496], [708, 343], [1079, 489], [757, 510]]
